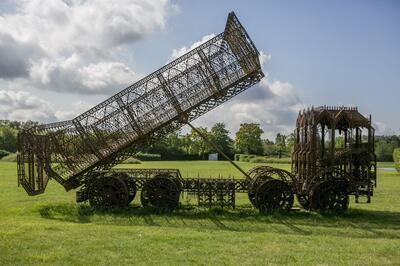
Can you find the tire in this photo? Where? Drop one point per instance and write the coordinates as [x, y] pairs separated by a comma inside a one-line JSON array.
[[108, 192], [330, 195], [274, 195], [161, 193]]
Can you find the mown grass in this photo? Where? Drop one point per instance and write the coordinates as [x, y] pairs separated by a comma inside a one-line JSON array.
[[53, 229]]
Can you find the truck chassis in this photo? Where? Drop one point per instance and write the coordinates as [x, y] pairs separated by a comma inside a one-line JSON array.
[[162, 189]]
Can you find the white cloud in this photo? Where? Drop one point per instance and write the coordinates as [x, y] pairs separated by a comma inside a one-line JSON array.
[[59, 25], [184, 49], [16, 57], [76, 109], [22, 105], [72, 46], [80, 41], [382, 128], [74, 76], [264, 57]]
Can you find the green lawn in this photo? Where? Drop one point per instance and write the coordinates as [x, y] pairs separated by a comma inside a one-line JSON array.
[[53, 229]]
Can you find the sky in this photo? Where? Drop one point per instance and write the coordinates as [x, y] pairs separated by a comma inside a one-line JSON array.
[[58, 58]]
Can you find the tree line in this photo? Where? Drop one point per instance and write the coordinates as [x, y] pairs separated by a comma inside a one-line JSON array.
[[247, 140], [8, 134], [177, 146]]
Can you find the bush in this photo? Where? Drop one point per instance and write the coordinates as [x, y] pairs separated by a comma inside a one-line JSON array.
[[147, 156], [132, 160], [12, 157], [259, 160], [396, 158], [3, 153], [237, 157], [244, 157], [181, 157], [270, 160]]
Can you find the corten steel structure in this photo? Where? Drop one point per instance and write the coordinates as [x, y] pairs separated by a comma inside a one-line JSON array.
[[80, 153], [333, 157]]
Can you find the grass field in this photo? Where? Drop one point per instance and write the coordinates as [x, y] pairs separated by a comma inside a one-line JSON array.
[[53, 229]]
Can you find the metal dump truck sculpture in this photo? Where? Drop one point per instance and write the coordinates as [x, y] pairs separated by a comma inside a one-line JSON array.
[[81, 152]]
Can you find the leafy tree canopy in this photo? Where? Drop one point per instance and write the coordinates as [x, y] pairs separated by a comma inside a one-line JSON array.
[[248, 139]]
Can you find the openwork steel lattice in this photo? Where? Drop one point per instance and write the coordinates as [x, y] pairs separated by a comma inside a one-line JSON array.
[[160, 103], [333, 157]]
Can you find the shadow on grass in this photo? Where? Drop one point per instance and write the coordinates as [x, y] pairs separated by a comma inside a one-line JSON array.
[[353, 223]]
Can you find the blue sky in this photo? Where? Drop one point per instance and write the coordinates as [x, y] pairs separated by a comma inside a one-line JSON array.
[[336, 52]]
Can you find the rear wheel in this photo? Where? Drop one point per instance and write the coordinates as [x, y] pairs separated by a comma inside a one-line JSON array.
[[108, 192], [160, 192]]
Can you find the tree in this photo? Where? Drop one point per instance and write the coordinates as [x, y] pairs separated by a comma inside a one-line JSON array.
[[9, 131], [220, 136], [199, 146], [339, 142], [18, 125], [396, 158], [28, 124], [384, 146], [8, 139], [187, 143], [269, 147], [169, 147], [280, 143], [174, 143], [290, 140], [248, 139]]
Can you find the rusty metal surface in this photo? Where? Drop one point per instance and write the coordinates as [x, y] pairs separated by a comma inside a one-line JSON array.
[[161, 192], [160, 103], [209, 192], [270, 188], [108, 191], [82, 151], [333, 155]]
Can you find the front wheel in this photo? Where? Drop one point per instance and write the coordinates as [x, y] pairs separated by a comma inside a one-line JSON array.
[[330, 195]]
